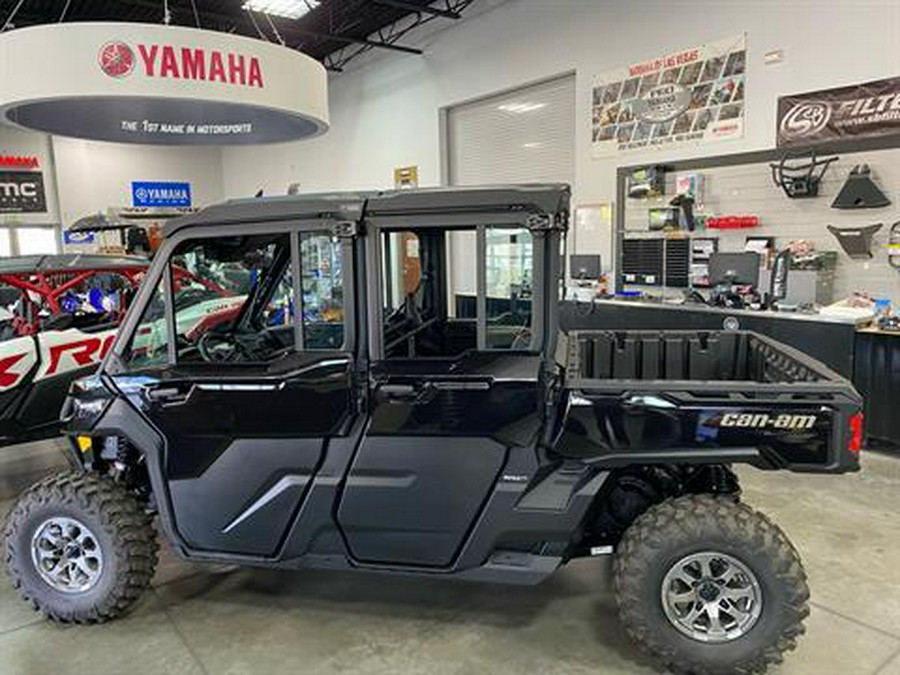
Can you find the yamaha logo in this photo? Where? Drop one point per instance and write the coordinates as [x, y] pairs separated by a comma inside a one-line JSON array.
[[806, 119], [116, 59]]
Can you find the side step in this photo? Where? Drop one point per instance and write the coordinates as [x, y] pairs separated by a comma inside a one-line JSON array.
[[513, 567]]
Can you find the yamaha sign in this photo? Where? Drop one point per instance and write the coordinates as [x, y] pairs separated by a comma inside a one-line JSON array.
[[161, 85], [22, 192], [167, 61]]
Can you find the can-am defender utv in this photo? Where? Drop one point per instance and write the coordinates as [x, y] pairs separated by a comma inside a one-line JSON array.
[[394, 395]]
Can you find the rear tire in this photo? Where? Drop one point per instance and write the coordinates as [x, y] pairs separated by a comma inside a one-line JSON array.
[[709, 586], [79, 548]]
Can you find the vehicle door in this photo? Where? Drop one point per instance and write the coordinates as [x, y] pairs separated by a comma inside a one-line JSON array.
[[456, 352], [243, 361]]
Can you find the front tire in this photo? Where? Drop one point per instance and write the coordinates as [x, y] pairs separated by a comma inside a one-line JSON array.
[[709, 586], [79, 548]]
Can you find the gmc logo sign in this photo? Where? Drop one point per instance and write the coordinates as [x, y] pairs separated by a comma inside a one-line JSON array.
[[22, 192]]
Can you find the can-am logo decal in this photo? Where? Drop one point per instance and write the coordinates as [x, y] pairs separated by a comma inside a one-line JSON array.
[[766, 421], [806, 119], [118, 60]]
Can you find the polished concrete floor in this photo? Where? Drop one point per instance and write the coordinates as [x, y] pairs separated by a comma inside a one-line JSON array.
[[205, 620]]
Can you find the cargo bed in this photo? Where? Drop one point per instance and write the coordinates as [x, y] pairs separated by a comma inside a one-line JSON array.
[[664, 357], [703, 396]]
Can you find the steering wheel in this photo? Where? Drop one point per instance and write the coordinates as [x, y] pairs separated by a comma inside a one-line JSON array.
[[216, 347]]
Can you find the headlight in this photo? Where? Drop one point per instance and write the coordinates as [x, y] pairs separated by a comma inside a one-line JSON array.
[[88, 400]]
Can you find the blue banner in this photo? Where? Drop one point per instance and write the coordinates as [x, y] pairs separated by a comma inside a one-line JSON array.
[[144, 193], [79, 238]]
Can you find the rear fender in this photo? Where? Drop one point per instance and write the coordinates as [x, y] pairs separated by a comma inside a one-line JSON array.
[[776, 432]]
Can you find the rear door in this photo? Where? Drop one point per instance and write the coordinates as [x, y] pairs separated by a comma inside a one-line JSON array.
[[455, 380], [248, 402]]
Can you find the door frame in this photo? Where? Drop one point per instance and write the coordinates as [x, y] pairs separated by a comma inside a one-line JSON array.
[[480, 221]]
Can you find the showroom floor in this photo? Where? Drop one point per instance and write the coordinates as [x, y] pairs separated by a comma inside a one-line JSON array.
[[203, 620]]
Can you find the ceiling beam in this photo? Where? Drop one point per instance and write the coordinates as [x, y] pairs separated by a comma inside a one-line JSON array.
[[357, 41], [412, 7]]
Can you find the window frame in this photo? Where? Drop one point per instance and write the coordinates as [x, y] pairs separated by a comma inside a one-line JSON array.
[[162, 270], [480, 222]]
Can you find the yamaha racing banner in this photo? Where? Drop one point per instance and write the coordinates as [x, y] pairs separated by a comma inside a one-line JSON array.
[[694, 95], [858, 111], [160, 194]]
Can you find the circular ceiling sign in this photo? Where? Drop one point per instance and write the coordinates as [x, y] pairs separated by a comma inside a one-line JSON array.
[[161, 85]]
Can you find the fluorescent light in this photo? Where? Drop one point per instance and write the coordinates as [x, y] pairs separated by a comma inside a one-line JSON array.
[[290, 9], [533, 144], [519, 108]]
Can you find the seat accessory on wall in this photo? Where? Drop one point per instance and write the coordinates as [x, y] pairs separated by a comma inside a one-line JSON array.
[[860, 191], [856, 241], [647, 182], [800, 175]]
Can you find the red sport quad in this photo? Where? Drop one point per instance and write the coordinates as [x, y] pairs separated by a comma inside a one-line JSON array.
[[58, 317]]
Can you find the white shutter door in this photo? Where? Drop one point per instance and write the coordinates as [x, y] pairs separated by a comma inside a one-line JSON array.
[[521, 136]]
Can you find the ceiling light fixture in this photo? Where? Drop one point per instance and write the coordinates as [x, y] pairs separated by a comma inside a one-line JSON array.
[[289, 9]]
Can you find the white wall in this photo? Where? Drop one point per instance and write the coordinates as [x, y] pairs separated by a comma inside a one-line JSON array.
[[94, 176], [384, 113], [16, 142]]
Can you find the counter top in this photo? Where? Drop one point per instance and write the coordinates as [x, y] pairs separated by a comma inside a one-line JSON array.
[[875, 330], [785, 316]]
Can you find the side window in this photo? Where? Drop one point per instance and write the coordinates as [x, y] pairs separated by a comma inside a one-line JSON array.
[[322, 284], [149, 343], [430, 301], [233, 298], [509, 266]]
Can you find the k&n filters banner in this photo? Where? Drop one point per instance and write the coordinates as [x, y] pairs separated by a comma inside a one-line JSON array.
[[858, 111], [693, 95]]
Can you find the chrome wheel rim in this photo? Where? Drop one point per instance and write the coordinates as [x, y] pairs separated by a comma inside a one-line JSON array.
[[711, 597], [67, 555]]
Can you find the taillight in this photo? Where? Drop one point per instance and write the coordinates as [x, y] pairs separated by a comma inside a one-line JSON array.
[[856, 433]]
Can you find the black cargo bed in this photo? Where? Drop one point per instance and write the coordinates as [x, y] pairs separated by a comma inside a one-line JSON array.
[[660, 359]]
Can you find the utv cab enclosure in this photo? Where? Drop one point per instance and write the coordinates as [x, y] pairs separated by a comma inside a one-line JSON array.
[[394, 394]]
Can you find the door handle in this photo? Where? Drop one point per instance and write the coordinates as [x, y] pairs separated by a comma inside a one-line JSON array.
[[398, 390], [168, 395], [405, 393], [453, 385]]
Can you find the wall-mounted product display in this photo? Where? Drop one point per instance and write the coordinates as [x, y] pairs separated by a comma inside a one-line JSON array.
[[693, 95], [860, 191], [799, 175], [856, 241], [750, 203]]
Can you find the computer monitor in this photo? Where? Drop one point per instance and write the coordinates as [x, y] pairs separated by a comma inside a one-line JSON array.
[[584, 267], [734, 268]]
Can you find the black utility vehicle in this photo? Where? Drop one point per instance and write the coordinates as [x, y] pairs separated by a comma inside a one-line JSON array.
[[394, 395]]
